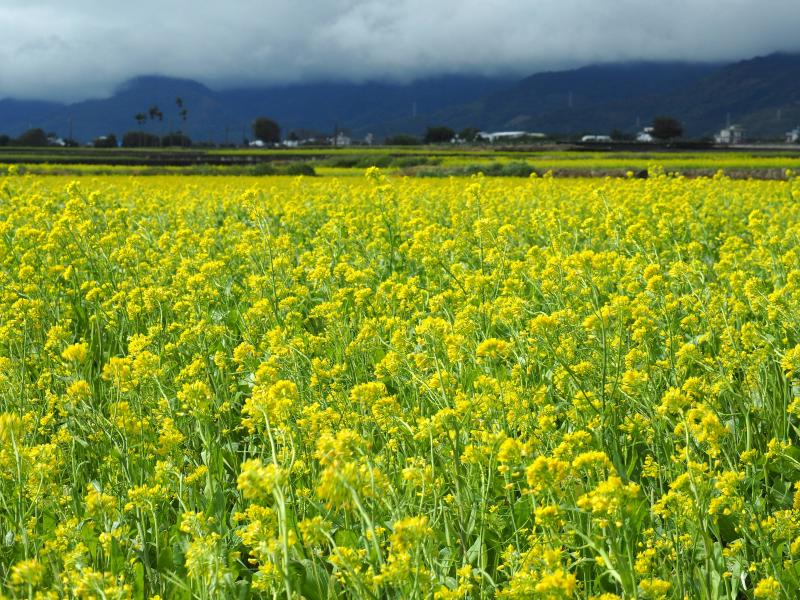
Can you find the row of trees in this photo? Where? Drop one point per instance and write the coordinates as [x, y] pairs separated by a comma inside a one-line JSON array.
[[264, 129], [133, 139], [269, 132], [34, 137], [154, 113], [142, 139], [663, 128], [437, 134]]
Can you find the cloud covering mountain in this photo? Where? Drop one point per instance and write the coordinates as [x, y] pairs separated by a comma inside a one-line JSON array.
[[52, 49]]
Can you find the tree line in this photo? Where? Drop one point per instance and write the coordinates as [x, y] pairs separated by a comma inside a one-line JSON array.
[[268, 131]]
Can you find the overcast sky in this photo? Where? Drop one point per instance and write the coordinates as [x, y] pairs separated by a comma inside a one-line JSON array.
[[73, 49]]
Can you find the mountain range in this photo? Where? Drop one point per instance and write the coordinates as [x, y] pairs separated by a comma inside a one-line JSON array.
[[762, 94]]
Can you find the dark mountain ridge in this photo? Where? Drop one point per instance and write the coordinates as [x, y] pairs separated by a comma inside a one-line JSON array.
[[762, 94], [226, 115]]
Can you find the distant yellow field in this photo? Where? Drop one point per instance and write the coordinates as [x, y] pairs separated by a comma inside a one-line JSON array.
[[411, 161], [384, 387]]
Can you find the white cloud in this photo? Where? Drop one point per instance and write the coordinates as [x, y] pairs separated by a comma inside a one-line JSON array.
[[81, 48]]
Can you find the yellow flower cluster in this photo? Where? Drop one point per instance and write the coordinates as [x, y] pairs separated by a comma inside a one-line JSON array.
[[388, 387]]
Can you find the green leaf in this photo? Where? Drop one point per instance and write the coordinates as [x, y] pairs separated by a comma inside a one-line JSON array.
[[347, 538], [477, 553], [138, 581], [309, 579]]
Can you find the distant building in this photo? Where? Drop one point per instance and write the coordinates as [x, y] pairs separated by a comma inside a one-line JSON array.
[[793, 136], [732, 134], [307, 137], [341, 140], [103, 142], [507, 135], [645, 135], [596, 138], [55, 141], [257, 144], [369, 139]]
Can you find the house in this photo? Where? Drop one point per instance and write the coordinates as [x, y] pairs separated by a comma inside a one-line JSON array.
[[793, 136], [341, 140], [645, 135], [732, 134]]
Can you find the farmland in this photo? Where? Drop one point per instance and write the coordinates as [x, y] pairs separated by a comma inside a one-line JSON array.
[[378, 386], [415, 161]]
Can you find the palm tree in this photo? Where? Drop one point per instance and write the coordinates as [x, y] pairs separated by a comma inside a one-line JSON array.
[[140, 119], [182, 112]]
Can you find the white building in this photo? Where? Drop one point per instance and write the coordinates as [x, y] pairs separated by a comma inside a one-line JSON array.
[[596, 138], [645, 135], [341, 140], [732, 134], [793, 136], [507, 135]]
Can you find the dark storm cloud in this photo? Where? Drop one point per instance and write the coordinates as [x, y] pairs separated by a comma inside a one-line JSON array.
[[81, 48]]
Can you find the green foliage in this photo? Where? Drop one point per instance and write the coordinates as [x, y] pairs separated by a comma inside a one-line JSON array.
[[266, 130], [666, 128], [292, 168], [492, 169], [468, 134], [32, 137], [106, 141], [438, 135], [381, 160], [140, 139], [402, 139], [300, 168], [176, 139]]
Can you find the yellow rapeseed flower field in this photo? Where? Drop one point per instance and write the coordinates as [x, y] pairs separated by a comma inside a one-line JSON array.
[[379, 387]]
